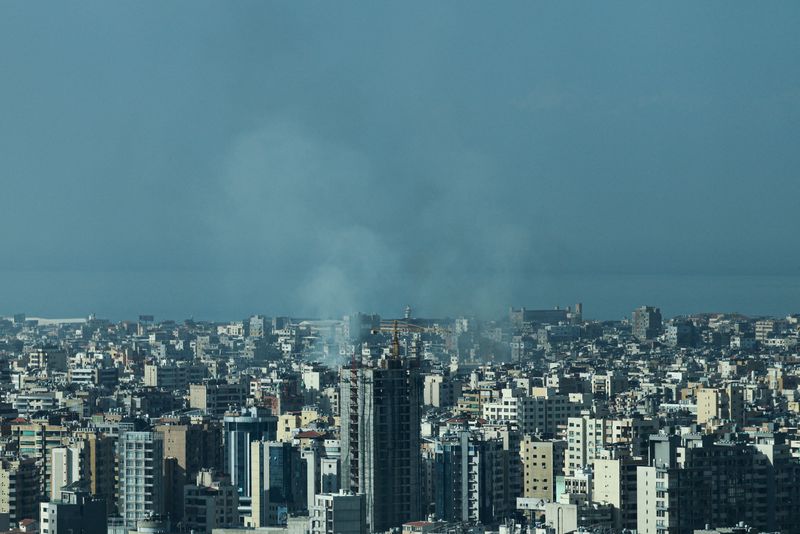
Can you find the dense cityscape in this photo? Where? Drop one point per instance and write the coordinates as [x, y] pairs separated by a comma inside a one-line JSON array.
[[540, 422], [351, 267]]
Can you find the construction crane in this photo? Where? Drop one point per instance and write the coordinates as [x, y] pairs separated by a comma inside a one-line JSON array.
[[395, 327]]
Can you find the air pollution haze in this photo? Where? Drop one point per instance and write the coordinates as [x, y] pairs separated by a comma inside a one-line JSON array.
[[220, 159]]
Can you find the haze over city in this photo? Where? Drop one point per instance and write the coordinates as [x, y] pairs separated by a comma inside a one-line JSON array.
[[451, 267], [218, 159]]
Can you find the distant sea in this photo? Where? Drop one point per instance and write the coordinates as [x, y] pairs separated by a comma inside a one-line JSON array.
[[207, 295]]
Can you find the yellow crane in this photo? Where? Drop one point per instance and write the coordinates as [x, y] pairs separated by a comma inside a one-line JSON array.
[[396, 327]]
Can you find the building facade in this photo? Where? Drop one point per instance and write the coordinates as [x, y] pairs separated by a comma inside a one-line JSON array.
[[380, 435], [141, 480]]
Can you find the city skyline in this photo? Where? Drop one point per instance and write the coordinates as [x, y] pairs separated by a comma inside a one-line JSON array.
[[395, 312], [355, 267], [546, 422]]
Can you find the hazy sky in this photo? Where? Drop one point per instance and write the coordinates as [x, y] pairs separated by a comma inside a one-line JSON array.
[[211, 158]]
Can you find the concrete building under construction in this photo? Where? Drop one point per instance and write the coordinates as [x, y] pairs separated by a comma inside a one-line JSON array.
[[380, 436]]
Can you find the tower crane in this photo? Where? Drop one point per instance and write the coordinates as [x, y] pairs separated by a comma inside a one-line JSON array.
[[396, 327]]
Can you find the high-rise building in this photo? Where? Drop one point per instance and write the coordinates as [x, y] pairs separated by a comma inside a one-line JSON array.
[[615, 483], [764, 329], [695, 480], [257, 326], [75, 511], [65, 469], [339, 513], [19, 488], [98, 465], [680, 333], [240, 430], [355, 327], [588, 438], [217, 397], [278, 478], [322, 471], [212, 502], [608, 384], [50, 358], [510, 461], [380, 433], [468, 479], [542, 412], [720, 404], [141, 481], [782, 471], [194, 446], [646, 323], [38, 439], [542, 461], [441, 391], [173, 375], [522, 347]]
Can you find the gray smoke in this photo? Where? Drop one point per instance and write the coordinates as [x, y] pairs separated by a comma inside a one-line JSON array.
[[219, 159]]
